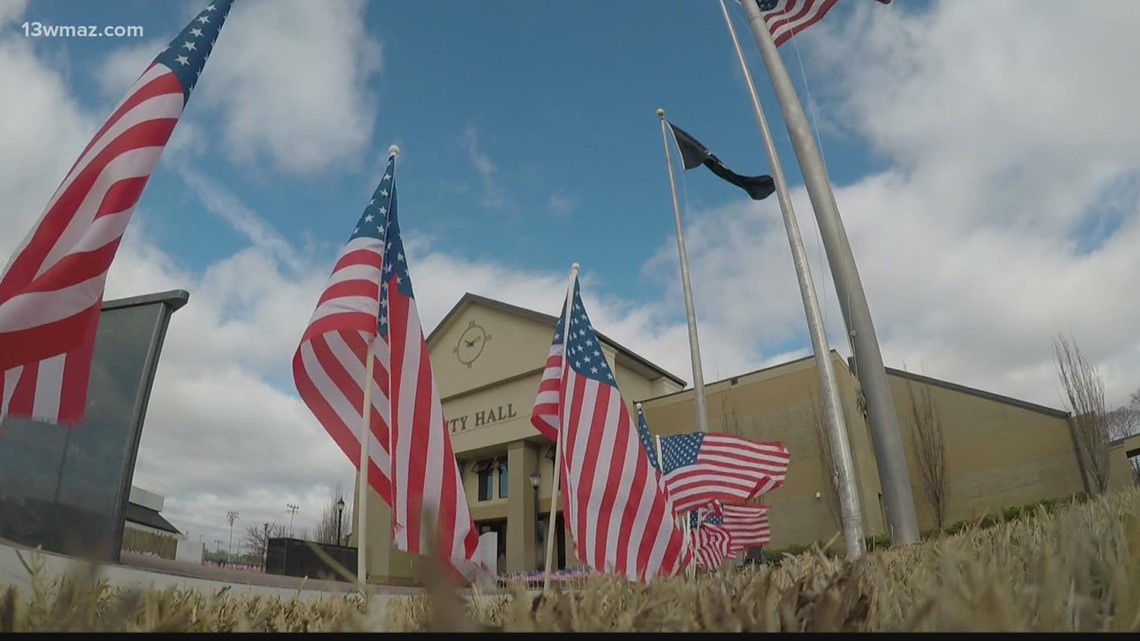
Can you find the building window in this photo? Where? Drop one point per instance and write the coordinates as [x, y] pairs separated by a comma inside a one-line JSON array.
[[502, 479], [484, 472]]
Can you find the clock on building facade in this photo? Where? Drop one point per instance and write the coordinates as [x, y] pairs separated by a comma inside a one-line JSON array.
[[471, 343]]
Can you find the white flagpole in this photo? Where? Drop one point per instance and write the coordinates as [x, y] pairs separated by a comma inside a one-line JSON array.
[[843, 477], [366, 433], [561, 425], [882, 417], [690, 314], [362, 485], [681, 520]]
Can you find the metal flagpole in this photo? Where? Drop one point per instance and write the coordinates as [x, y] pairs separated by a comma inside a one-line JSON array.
[[843, 476], [679, 521], [893, 476], [690, 315], [561, 425], [362, 489]]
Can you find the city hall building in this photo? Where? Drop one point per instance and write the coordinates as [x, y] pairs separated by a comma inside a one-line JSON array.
[[488, 358]]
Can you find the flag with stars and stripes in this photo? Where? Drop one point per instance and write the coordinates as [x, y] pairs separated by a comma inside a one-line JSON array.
[[330, 363], [369, 298], [703, 467], [51, 291], [747, 525], [620, 516], [709, 539], [426, 486], [786, 18]]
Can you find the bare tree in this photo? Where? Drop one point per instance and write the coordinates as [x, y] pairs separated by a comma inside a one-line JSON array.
[[1084, 390], [326, 530], [254, 537], [929, 445], [731, 413], [1122, 422], [826, 462]]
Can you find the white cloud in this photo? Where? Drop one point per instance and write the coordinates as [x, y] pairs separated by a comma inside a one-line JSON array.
[[290, 81], [561, 204], [1007, 139], [42, 133], [485, 167], [11, 11], [123, 66]]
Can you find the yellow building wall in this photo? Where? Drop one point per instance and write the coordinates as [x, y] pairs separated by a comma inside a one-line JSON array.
[[517, 345], [1120, 471], [776, 404], [997, 454], [486, 404]]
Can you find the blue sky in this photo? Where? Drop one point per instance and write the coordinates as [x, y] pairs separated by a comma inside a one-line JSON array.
[[980, 153], [561, 99]]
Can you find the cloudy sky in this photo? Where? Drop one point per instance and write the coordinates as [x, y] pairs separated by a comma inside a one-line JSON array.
[[984, 155]]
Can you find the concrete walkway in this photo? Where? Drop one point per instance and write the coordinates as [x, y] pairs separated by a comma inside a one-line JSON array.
[[142, 572]]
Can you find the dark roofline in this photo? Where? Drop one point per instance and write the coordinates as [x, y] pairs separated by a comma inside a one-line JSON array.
[[142, 515], [736, 376], [1026, 405], [1033, 407], [549, 320], [175, 298]]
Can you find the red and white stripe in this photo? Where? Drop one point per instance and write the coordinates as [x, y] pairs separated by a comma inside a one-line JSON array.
[[329, 364], [747, 525], [425, 474], [790, 17], [728, 467], [544, 416], [51, 291], [620, 516], [710, 544]]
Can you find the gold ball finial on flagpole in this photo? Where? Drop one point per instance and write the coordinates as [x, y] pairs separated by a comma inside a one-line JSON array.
[[660, 113], [394, 150]]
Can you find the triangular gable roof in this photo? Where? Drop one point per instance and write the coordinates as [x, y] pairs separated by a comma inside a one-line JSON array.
[[546, 319]]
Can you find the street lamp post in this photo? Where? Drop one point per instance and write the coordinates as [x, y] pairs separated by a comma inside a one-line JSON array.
[[339, 512], [535, 481], [265, 552], [231, 516], [291, 509]]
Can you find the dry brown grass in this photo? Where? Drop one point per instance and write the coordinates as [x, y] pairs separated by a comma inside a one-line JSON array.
[[1077, 569]]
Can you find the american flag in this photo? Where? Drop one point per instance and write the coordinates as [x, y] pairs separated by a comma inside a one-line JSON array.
[[51, 291], [709, 539], [369, 298], [329, 365], [620, 516], [786, 18], [702, 467], [746, 524], [425, 475]]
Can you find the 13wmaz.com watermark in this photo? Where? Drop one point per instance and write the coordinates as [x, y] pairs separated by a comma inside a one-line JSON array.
[[40, 30]]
